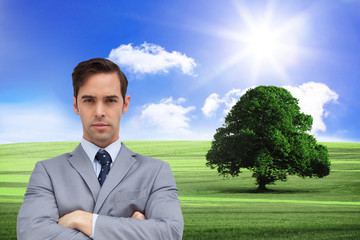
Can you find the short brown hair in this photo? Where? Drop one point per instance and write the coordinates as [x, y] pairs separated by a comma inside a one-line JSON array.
[[97, 65]]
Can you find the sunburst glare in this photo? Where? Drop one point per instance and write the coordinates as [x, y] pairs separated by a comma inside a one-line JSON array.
[[265, 43]]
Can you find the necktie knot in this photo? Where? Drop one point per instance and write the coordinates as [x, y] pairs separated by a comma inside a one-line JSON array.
[[103, 157]]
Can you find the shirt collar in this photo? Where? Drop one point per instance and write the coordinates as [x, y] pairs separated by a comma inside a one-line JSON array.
[[91, 149]]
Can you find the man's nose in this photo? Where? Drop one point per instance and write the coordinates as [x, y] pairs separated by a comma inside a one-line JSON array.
[[99, 110]]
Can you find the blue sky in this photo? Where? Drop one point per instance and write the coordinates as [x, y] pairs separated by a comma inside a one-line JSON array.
[[187, 63]]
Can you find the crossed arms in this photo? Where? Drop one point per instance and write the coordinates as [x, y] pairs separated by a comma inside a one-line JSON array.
[[82, 221]]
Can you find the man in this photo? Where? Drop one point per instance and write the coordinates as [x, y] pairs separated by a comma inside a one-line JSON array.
[[101, 190]]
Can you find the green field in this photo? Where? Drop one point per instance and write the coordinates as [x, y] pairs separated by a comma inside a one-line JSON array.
[[218, 208]]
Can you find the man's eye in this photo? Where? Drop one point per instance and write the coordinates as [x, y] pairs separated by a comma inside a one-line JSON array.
[[111, 100], [88, 100]]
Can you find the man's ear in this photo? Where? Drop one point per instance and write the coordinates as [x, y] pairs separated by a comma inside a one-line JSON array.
[[75, 106], [126, 104]]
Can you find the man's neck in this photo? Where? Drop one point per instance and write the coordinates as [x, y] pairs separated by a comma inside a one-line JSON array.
[[91, 149], [101, 144]]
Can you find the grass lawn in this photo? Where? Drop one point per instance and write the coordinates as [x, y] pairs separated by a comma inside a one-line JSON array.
[[215, 207]]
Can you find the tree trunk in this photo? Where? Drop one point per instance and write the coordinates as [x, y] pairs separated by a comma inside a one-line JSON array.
[[262, 186]]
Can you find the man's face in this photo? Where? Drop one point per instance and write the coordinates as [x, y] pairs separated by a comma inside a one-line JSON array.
[[100, 105]]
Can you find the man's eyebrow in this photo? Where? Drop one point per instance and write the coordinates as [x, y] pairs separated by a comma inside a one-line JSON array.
[[112, 96], [87, 96]]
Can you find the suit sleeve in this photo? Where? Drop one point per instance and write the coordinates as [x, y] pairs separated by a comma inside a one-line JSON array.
[[163, 213], [38, 215]]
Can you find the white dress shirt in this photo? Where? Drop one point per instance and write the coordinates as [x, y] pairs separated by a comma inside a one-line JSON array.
[[91, 151]]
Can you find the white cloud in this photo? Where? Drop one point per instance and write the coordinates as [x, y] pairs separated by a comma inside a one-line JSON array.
[[37, 122], [213, 102], [151, 58], [168, 115], [312, 99], [166, 120]]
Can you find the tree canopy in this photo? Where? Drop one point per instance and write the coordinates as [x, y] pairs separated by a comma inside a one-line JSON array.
[[266, 133]]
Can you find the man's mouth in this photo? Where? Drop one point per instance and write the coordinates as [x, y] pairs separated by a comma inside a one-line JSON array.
[[100, 126]]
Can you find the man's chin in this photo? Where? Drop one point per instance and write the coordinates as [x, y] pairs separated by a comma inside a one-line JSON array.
[[99, 139]]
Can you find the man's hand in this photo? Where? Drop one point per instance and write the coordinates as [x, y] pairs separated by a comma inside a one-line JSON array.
[[138, 215], [78, 220]]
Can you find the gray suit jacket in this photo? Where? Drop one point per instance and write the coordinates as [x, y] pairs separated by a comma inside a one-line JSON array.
[[68, 182]]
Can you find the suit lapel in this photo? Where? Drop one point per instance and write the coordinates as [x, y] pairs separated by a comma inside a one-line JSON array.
[[124, 161], [80, 161]]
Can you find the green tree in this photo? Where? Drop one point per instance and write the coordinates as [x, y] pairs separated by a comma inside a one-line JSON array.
[[266, 133]]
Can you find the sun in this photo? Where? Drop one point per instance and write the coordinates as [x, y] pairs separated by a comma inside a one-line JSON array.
[[265, 43]]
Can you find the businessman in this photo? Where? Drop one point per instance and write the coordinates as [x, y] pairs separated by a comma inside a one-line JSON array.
[[101, 190]]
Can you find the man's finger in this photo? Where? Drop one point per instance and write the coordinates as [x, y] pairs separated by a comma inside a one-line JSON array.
[[138, 215]]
